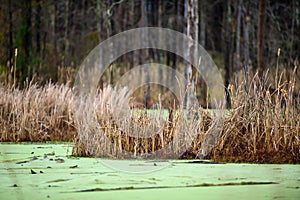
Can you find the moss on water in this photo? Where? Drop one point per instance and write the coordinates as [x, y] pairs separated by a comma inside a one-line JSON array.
[[93, 180]]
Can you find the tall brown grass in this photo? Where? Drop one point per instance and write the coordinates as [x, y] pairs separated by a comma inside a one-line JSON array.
[[263, 125], [36, 113], [115, 131]]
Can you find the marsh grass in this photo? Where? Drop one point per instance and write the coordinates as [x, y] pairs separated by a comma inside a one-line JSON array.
[[36, 113], [263, 125], [115, 130]]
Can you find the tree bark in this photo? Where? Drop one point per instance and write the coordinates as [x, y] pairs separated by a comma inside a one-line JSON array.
[[26, 40], [38, 35], [192, 51], [145, 56], [10, 43], [66, 34], [160, 55], [227, 47], [38, 27], [238, 35], [203, 87], [246, 47], [202, 22], [260, 35]]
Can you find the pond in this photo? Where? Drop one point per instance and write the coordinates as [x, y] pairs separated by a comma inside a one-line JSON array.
[[40, 171]]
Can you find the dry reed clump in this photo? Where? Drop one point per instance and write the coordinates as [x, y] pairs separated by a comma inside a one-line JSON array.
[[112, 129], [264, 126], [36, 113]]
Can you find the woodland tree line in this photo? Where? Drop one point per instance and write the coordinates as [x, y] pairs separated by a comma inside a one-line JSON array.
[[48, 39]]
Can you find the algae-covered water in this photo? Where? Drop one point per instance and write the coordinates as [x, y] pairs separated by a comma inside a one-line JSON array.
[[47, 171]]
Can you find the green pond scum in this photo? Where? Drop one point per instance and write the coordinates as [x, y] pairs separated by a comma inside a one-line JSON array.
[[48, 171]]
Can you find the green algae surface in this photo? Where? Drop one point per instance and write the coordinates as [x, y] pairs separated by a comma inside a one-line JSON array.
[[48, 171]]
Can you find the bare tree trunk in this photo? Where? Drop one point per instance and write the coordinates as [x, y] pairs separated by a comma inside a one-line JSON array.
[[131, 20], [238, 32], [160, 56], [144, 23], [26, 40], [52, 11], [38, 34], [246, 48], [73, 9], [171, 57], [227, 47], [291, 49], [38, 27], [192, 32], [107, 18], [203, 87], [202, 22], [186, 64], [10, 44], [253, 14], [232, 38], [66, 34], [52, 39], [260, 35]]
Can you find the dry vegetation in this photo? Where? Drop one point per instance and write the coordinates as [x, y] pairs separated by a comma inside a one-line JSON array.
[[263, 126], [36, 113], [115, 131]]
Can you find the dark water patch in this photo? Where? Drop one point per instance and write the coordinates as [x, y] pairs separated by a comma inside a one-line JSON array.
[[9, 152], [26, 161], [53, 186], [172, 187], [59, 160], [279, 197], [11, 161], [153, 179], [238, 178], [22, 168], [138, 165], [198, 162], [50, 154], [58, 180], [76, 173], [296, 187], [44, 147]]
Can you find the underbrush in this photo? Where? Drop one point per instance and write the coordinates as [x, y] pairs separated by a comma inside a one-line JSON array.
[[263, 125], [112, 129], [36, 113]]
